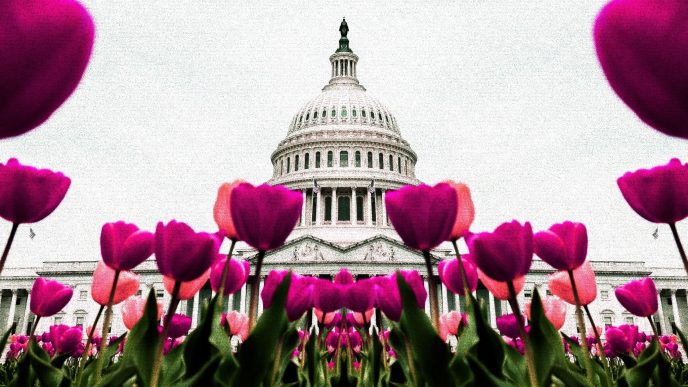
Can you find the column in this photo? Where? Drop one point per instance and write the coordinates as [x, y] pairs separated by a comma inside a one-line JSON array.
[[334, 205], [242, 298], [303, 208], [196, 312], [27, 311], [260, 299], [369, 206], [445, 302], [674, 305], [317, 209], [13, 307], [427, 301], [493, 309], [662, 321], [353, 205], [383, 215]]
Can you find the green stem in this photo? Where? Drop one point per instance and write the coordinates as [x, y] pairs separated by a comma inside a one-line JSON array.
[[35, 325], [84, 355], [513, 302], [600, 348], [255, 288], [434, 307], [106, 329], [225, 272], [157, 362], [276, 363], [680, 246], [411, 364], [462, 272], [587, 362], [6, 252]]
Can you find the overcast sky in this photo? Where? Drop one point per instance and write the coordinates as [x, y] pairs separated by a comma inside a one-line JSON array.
[[506, 96]]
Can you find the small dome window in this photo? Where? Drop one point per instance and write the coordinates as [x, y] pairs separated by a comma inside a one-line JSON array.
[[324, 115], [343, 111], [315, 115], [353, 113], [300, 119], [387, 118], [363, 113], [308, 115], [379, 116], [334, 113]]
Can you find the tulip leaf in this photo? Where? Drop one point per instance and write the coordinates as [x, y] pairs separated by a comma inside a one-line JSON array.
[[47, 374], [226, 370], [489, 348], [515, 366], [545, 341], [483, 376], [258, 351], [204, 376], [285, 349], [428, 348], [684, 342], [143, 343], [172, 368], [397, 340], [640, 374], [371, 373], [315, 374], [6, 336], [206, 340], [569, 377]]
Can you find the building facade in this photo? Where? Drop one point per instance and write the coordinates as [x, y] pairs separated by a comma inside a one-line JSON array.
[[343, 151]]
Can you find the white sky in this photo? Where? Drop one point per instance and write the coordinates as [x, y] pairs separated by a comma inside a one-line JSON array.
[[506, 96]]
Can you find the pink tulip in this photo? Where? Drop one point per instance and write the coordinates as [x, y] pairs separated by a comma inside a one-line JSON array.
[[28, 194], [500, 290], [103, 277], [422, 215], [638, 297], [324, 318], [238, 324], [123, 246], [183, 254], [641, 45], [264, 216], [388, 297], [465, 211], [360, 319], [237, 274], [187, 289], [133, 309], [45, 46], [222, 213], [504, 254], [49, 297], [450, 276], [564, 246], [660, 194], [555, 311], [452, 321], [560, 284]]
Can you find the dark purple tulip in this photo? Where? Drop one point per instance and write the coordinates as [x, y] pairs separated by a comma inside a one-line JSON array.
[[179, 326], [508, 325], [66, 339], [388, 297], [343, 277], [28, 194], [49, 297], [300, 295], [564, 246], [504, 254], [641, 45], [450, 276], [123, 246], [237, 274], [264, 216], [659, 194], [328, 296], [360, 296], [422, 215], [45, 46], [183, 254], [638, 297]]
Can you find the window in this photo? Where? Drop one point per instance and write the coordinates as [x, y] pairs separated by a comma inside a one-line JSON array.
[[359, 208], [300, 118], [306, 161], [344, 159], [80, 321], [381, 161], [373, 215], [315, 115], [288, 164], [139, 292], [281, 167], [607, 321], [308, 115], [83, 295], [343, 208], [296, 163], [343, 112], [604, 295], [391, 163], [629, 320], [317, 159], [159, 294], [528, 293], [324, 115], [57, 320], [328, 208], [370, 159], [357, 160], [406, 166], [607, 317], [334, 113], [330, 159], [372, 115], [399, 164], [314, 209], [379, 116], [363, 113], [353, 113]]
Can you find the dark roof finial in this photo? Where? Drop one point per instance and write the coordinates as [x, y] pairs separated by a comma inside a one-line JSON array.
[[344, 41]]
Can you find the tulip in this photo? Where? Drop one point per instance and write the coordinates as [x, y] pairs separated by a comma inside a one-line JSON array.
[[621, 339], [123, 246], [555, 311], [343, 277], [453, 321], [66, 339], [508, 325], [237, 274], [640, 45], [361, 319], [328, 296], [325, 318], [638, 297], [183, 254], [500, 290], [46, 45], [450, 275], [560, 285], [388, 297], [222, 211], [188, 289], [49, 297], [179, 325], [238, 324], [564, 246], [133, 310], [465, 211], [505, 253], [299, 297], [360, 296], [102, 285]]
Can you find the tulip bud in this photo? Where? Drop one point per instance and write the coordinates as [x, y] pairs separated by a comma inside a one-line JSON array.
[[123, 246], [504, 254], [104, 276], [564, 246], [49, 297], [638, 297]]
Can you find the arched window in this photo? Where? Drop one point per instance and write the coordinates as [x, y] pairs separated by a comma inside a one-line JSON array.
[[281, 167], [343, 111], [607, 317], [288, 165], [334, 113], [406, 167], [328, 208], [343, 159], [359, 208], [372, 115], [296, 163], [380, 160], [373, 213], [399, 164], [324, 115], [357, 160], [370, 159], [330, 159], [379, 116], [353, 113], [315, 115], [363, 113], [343, 208], [300, 118], [391, 162], [80, 317], [317, 159], [307, 117], [306, 161]]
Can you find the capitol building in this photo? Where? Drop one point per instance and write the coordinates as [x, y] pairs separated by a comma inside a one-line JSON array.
[[343, 151]]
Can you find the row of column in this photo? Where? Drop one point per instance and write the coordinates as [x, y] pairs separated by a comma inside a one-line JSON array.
[[675, 312], [381, 219], [11, 315], [343, 67]]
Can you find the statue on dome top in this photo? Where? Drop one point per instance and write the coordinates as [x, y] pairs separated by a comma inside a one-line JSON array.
[[343, 28]]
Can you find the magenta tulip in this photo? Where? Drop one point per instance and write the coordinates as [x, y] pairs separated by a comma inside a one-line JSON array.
[[586, 284], [343, 277], [237, 275], [564, 246], [422, 215], [65, 339], [360, 296], [641, 45], [638, 297], [299, 298], [264, 216], [49, 297], [179, 326], [660, 194], [123, 246], [45, 46], [101, 287], [450, 276], [504, 254], [508, 325], [187, 289], [28, 194], [183, 254], [328, 296], [621, 339], [388, 297]]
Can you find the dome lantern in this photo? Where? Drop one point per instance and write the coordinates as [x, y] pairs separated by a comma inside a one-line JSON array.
[[343, 60]]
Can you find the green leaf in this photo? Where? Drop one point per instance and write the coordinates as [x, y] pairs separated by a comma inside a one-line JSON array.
[[515, 368], [569, 377], [286, 347], [489, 349], [257, 352], [398, 341], [172, 367], [119, 377], [483, 376], [640, 374], [204, 376], [545, 342], [429, 351], [40, 362], [372, 372], [6, 336], [226, 371]]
